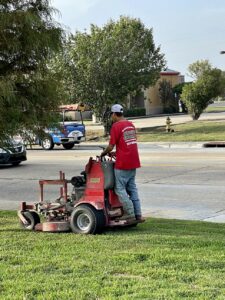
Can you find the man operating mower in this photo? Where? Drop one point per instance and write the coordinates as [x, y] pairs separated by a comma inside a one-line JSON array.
[[123, 136]]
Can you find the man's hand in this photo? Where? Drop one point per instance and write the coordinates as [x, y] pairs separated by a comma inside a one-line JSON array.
[[108, 149], [102, 154]]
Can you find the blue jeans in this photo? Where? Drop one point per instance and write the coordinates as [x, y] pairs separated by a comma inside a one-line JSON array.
[[126, 190]]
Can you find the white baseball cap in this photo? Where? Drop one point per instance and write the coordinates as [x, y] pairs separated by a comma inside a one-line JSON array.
[[117, 108]]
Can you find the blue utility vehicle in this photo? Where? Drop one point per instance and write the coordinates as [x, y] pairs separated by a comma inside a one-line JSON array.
[[68, 133]]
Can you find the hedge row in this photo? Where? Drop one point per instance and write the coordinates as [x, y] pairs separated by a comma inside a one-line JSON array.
[[135, 112]]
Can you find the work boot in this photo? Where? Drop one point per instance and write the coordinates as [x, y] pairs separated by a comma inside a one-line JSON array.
[[139, 218], [127, 217]]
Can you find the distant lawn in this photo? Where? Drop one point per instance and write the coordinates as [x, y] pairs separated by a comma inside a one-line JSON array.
[[195, 131], [160, 259], [215, 109]]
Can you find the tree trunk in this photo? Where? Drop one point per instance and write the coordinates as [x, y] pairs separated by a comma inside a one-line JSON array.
[[195, 115], [106, 130], [106, 121]]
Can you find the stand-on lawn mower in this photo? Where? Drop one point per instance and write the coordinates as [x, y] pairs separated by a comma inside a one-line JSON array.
[[91, 207]]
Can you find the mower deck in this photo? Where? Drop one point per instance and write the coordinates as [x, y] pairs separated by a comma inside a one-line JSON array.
[[61, 226]]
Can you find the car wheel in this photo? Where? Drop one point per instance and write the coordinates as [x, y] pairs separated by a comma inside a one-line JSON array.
[[16, 163], [68, 146], [47, 143], [32, 219], [87, 220]]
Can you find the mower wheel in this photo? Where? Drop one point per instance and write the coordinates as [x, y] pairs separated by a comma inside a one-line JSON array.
[[87, 220], [32, 219]]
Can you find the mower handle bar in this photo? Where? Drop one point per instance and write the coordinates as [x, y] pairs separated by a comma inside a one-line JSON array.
[[112, 154]]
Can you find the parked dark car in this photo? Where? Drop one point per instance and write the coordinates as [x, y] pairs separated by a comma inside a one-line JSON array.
[[14, 153]]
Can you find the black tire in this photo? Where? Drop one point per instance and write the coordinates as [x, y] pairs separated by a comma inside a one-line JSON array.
[[47, 143], [16, 163], [68, 146], [86, 219], [32, 219]]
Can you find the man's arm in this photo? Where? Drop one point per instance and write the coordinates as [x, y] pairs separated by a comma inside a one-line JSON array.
[[108, 149]]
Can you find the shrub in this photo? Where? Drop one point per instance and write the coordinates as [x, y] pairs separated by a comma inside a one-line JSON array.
[[135, 112]]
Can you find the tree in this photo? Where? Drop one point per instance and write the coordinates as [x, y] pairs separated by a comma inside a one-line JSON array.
[[166, 94], [177, 90], [29, 91], [209, 83], [199, 68], [111, 62]]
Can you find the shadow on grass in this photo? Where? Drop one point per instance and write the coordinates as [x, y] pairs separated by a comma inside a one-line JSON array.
[[11, 230], [152, 226]]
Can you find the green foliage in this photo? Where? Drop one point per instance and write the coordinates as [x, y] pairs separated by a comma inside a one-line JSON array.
[[134, 112], [29, 91], [209, 83], [110, 62], [199, 68], [60, 64], [160, 259], [169, 102], [179, 88]]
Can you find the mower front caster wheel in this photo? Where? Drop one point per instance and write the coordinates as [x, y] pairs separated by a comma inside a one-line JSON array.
[[87, 220], [32, 220]]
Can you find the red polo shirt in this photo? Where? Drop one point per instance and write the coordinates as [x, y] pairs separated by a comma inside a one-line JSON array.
[[123, 135]]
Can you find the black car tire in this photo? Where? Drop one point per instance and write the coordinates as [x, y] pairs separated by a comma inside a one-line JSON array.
[[85, 219], [16, 163], [68, 146]]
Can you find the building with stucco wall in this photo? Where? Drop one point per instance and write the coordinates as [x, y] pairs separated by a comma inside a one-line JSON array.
[[150, 99]]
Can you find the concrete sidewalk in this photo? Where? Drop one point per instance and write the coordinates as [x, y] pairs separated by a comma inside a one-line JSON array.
[[160, 120]]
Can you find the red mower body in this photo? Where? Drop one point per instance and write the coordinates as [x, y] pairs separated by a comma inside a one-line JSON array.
[[91, 207]]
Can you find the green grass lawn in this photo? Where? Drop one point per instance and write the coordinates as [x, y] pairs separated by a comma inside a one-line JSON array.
[[160, 259], [194, 131], [215, 109]]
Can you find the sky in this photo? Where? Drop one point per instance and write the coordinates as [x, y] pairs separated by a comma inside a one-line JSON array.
[[186, 30]]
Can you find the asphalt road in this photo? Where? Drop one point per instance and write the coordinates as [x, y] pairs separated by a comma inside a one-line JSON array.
[[181, 183]]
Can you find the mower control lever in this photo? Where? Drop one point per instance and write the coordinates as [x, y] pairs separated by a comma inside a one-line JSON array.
[[112, 154]]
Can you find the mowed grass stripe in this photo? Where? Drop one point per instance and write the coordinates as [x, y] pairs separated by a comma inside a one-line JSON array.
[[160, 259]]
